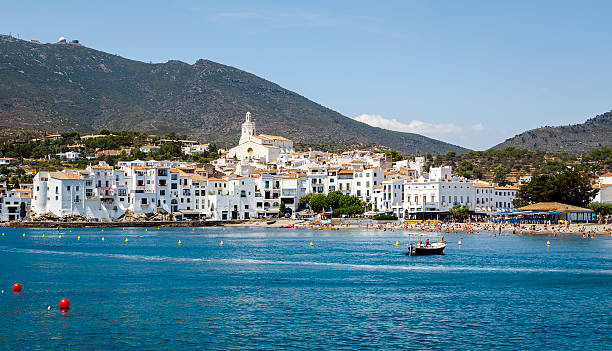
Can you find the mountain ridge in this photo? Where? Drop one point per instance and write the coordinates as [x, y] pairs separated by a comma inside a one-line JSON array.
[[61, 87], [594, 133]]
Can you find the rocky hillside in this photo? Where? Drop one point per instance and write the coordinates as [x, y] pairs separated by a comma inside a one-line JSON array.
[[578, 138], [65, 86]]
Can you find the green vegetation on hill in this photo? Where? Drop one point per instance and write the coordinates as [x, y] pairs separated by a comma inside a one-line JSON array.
[[59, 87], [509, 164], [578, 138], [43, 154]]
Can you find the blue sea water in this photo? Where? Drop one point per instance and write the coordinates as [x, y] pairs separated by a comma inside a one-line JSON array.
[[268, 289]]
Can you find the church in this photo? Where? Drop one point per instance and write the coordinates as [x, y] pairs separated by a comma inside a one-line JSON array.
[[261, 148]]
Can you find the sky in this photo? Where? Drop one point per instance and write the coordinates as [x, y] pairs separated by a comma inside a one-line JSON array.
[[472, 73]]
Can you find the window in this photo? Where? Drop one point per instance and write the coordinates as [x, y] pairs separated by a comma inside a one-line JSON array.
[[77, 188], [68, 188]]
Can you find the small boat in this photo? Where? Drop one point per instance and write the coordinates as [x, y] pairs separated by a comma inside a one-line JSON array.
[[270, 222], [429, 249], [287, 226]]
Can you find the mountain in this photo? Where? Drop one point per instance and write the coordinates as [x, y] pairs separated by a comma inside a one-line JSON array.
[[67, 86], [592, 134]]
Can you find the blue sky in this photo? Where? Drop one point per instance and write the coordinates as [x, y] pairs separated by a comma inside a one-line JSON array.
[[469, 72]]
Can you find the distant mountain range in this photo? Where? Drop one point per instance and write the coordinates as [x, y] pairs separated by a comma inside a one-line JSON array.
[[67, 86], [592, 134]]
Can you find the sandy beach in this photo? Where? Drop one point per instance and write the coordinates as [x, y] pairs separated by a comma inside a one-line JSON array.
[[584, 229]]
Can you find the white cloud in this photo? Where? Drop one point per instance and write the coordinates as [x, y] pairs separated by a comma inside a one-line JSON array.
[[478, 127], [415, 126]]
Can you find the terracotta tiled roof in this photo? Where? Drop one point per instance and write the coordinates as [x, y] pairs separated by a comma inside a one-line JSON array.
[[65, 176]]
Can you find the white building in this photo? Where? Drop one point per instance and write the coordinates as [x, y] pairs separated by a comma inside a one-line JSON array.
[[605, 189], [69, 155], [259, 148], [10, 203]]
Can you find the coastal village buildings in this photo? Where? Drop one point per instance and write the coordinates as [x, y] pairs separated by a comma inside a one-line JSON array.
[[253, 180], [605, 189], [11, 200]]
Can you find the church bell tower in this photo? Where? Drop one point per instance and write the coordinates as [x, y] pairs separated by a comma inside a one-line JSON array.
[[248, 129]]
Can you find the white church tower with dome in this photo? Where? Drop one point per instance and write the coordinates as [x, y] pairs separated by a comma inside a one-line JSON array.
[[248, 129], [260, 148]]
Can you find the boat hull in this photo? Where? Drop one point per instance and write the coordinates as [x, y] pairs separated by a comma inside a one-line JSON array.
[[426, 250]]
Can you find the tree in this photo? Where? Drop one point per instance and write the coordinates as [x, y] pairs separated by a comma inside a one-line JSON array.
[[281, 208], [353, 209], [317, 202], [603, 209], [500, 173], [333, 200], [395, 156], [305, 200], [212, 148], [459, 211], [570, 186], [22, 210], [169, 150], [349, 200]]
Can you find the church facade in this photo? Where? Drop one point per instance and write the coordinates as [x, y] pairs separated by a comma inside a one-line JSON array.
[[262, 148]]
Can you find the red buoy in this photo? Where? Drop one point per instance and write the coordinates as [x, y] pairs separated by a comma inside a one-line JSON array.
[[16, 287], [64, 304]]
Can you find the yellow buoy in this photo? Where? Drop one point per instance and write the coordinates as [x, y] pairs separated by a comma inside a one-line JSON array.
[[192, 229], [311, 244], [126, 240], [180, 243], [103, 230], [2, 234], [43, 235], [102, 238], [396, 243], [123, 228], [221, 243], [70, 231], [459, 242], [24, 235], [548, 243], [60, 236], [79, 237]]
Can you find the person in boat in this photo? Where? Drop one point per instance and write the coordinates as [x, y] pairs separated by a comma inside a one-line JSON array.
[[427, 242]]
